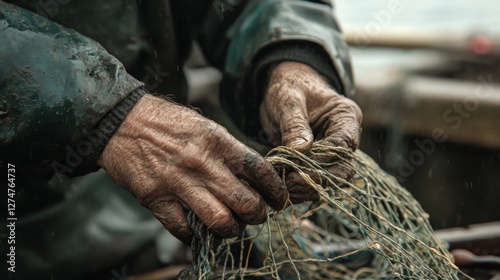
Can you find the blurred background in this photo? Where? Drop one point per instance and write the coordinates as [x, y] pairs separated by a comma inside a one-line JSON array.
[[428, 82]]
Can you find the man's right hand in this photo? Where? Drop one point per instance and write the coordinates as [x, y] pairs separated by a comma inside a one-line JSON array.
[[172, 158]]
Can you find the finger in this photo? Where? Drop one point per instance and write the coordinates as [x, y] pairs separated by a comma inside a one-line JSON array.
[[302, 193], [211, 211], [301, 198], [173, 218], [294, 125], [244, 201], [299, 189], [342, 172], [343, 125], [260, 174]]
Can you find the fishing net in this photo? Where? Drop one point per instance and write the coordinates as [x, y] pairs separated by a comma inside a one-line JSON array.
[[367, 228]]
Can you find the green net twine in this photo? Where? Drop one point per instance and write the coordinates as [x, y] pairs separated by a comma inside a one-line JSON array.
[[367, 228]]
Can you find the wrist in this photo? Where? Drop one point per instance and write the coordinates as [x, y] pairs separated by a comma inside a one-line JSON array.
[[154, 126], [96, 140], [133, 127]]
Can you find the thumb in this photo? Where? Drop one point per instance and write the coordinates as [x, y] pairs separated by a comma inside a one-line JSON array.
[[295, 130]]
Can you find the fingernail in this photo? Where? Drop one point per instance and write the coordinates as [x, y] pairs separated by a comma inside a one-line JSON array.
[[296, 142]]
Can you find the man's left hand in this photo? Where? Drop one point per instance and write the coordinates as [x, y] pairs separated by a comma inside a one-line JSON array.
[[299, 106]]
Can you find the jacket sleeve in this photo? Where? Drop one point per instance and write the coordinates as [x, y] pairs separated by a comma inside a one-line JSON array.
[[253, 35], [55, 86]]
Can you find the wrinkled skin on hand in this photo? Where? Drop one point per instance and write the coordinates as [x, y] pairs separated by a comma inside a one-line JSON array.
[[299, 106], [172, 158]]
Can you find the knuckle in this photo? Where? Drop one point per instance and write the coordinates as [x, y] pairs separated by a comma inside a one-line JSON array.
[[222, 222], [251, 209], [350, 108], [163, 192], [195, 162], [347, 138], [341, 130], [355, 109], [214, 130], [197, 159], [217, 141], [253, 161], [156, 203], [146, 194], [294, 102], [178, 229]]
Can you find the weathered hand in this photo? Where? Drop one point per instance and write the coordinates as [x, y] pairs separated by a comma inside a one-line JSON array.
[[300, 106], [172, 158]]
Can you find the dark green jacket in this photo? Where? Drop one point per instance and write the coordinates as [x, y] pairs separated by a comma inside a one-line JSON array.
[[70, 70], [56, 83]]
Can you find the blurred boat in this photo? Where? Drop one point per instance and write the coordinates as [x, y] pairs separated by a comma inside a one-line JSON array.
[[442, 80]]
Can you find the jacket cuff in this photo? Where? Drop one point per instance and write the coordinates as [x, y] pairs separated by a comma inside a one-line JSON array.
[[299, 51], [96, 140]]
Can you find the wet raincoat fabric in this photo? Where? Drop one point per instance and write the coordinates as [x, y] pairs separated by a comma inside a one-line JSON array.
[[65, 64]]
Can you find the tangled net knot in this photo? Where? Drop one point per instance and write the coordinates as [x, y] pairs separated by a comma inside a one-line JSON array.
[[367, 228]]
